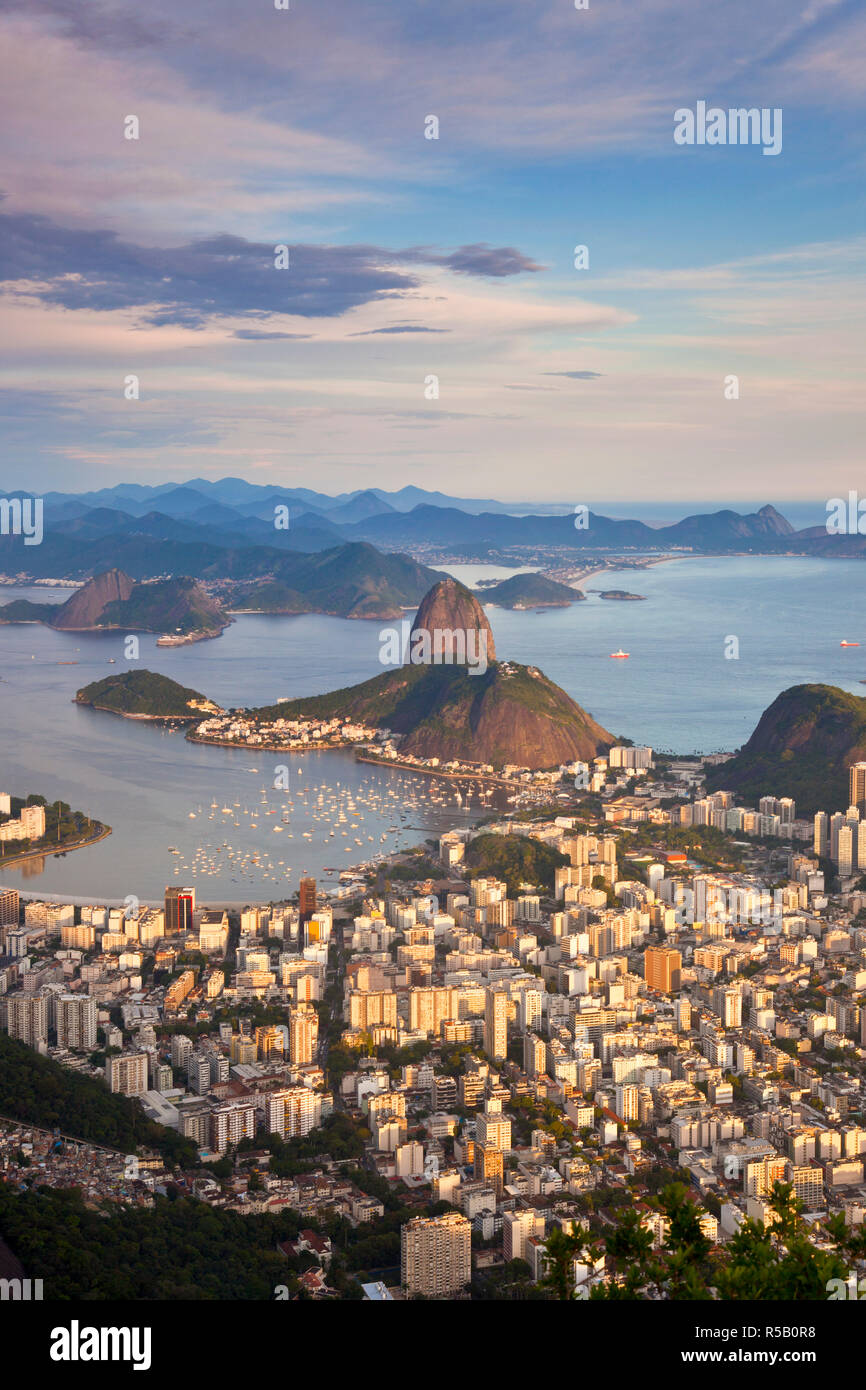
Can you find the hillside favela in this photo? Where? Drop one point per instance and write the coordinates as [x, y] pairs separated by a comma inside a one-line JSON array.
[[433, 761]]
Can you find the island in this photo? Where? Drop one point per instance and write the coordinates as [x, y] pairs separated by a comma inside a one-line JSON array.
[[529, 591], [621, 595], [146, 695]]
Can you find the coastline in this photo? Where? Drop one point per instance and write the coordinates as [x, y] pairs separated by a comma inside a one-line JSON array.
[[142, 718], [104, 832], [487, 778], [167, 639], [580, 577], [264, 747]]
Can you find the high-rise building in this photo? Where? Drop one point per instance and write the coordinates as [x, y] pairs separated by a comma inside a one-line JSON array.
[[628, 1102], [821, 840], [293, 1112], [306, 898], [492, 1128], [759, 1174], [127, 1073], [270, 1042], [182, 1049], [33, 822], [727, 1002], [230, 1123], [27, 1018], [436, 1255], [490, 1166], [9, 907], [808, 1181], [242, 1049], [662, 968], [517, 1228], [845, 853], [76, 1021], [495, 1023], [534, 1055], [303, 1034], [857, 785], [622, 756], [369, 1007], [428, 1006], [179, 910], [317, 927]]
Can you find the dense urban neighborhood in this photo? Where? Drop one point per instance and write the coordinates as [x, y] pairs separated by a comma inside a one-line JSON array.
[[633, 1025]]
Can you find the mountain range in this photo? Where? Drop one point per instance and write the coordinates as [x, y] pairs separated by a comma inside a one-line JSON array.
[[237, 529], [349, 581]]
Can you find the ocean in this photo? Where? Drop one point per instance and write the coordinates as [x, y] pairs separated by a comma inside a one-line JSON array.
[[677, 691]]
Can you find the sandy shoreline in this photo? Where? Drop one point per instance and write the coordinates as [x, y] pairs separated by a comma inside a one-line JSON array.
[[579, 578]]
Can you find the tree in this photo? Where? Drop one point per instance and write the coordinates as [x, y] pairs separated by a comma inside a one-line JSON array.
[[561, 1250], [779, 1261]]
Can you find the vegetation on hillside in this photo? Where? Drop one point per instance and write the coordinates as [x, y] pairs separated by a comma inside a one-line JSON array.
[[169, 605], [516, 859], [142, 692], [350, 581], [181, 1249], [529, 591], [39, 1091], [21, 610], [802, 747], [506, 714]]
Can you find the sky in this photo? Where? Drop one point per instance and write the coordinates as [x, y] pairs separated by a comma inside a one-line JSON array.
[[431, 325]]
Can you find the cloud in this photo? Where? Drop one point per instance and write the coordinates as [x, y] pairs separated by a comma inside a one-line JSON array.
[[576, 376], [550, 78], [216, 276], [259, 334], [398, 328], [481, 259]]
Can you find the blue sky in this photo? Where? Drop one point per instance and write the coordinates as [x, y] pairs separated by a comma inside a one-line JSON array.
[[449, 257]]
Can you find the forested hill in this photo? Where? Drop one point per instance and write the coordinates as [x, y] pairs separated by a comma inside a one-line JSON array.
[[38, 1091]]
